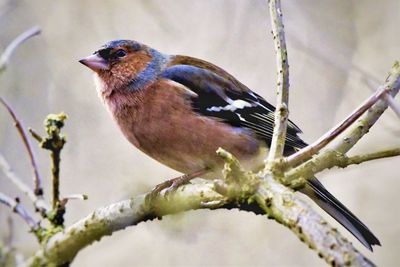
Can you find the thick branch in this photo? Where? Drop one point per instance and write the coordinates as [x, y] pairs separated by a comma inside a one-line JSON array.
[[281, 113], [63, 247], [286, 208], [278, 201]]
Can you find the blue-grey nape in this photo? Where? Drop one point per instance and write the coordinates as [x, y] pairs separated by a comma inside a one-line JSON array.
[[151, 72]]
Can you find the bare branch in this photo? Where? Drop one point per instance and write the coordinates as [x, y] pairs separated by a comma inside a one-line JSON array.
[[67, 198], [281, 113], [371, 156], [307, 152], [35, 135], [38, 201], [9, 51], [55, 141], [278, 201], [282, 204], [20, 210], [37, 180], [76, 197], [333, 156]]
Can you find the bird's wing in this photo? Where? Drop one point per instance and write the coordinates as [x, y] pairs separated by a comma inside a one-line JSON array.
[[220, 95]]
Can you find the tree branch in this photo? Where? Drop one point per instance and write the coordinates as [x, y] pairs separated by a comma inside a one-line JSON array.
[[278, 201], [371, 156], [334, 153], [38, 201], [55, 142], [312, 149], [285, 207], [281, 112], [20, 210], [9, 51], [37, 180], [63, 247]]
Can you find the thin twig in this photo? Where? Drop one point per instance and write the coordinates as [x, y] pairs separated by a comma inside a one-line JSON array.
[[9, 51], [6, 168], [281, 113], [37, 180], [67, 198], [35, 135], [38, 201], [312, 149], [20, 210], [371, 156], [76, 196]]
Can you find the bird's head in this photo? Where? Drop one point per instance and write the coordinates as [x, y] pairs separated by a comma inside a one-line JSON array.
[[117, 63]]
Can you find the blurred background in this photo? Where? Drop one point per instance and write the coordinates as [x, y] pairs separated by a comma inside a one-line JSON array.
[[338, 52]]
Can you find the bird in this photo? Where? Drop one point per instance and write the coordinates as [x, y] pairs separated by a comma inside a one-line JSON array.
[[179, 110]]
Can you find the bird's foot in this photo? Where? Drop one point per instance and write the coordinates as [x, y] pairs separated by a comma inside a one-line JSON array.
[[171, 185]]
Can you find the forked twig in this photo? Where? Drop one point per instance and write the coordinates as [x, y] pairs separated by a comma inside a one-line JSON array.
[[312, 149]]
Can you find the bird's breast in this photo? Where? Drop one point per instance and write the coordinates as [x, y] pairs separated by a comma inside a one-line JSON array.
[[163, 125]]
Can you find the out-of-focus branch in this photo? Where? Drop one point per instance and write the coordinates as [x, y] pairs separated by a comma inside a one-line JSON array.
[[281, 113], [9, 51], [276, 200], [20, 210], [312, 149], [38, 201], [9, 255], [392, 104], [37, 180]]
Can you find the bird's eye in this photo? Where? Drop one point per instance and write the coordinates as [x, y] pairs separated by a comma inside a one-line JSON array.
[[120, 53]]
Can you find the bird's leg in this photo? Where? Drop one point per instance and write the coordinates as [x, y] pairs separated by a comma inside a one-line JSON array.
[[172, 184]]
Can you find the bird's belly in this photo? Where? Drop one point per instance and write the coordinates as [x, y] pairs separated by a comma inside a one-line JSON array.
[[191, 146]]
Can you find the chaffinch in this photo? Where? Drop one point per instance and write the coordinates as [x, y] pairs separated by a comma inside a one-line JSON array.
[[179, 110]]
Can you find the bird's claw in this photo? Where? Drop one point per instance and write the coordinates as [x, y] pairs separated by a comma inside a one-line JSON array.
[[170, 187]]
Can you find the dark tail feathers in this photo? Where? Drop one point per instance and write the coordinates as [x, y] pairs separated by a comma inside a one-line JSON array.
[[317, 192]]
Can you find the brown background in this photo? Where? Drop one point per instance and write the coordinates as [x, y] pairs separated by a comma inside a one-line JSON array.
[[336, 48]]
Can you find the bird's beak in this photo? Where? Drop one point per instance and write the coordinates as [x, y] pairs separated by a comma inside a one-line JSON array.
[[95, 62]]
